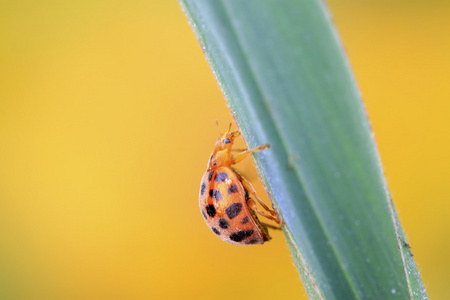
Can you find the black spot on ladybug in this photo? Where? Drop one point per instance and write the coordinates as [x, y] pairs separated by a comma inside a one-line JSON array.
[[240, 235], [251, 242], [245, 220], [210, 175], [223, 223], [210, 210], [204, 215], [215, 194], [202, 188], [215, 230], [233, 210], [232, 189], [226, 141], [221, 177]]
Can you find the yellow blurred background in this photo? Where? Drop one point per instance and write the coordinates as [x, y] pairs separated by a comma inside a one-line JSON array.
[[107, 113]]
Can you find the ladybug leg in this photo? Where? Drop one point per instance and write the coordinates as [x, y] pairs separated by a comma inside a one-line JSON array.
[[247, 185], [273, 214], [252, 204], [244, 154], [271, 226]]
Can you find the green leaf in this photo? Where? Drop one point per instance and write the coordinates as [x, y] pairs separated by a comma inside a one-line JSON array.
[[288, 83]]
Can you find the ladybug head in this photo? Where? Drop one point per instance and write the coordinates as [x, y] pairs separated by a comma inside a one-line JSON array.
[[222, 151], [226, 140]]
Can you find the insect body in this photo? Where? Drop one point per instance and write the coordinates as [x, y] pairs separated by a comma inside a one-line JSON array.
[[225, 200]]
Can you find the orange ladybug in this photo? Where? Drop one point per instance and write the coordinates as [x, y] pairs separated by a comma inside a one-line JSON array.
[[225, 200]]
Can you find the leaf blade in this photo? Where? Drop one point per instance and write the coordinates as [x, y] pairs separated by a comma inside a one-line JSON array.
[[287, 81]]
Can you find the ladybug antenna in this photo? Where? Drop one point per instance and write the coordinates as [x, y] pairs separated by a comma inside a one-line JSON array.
[[218, 128]]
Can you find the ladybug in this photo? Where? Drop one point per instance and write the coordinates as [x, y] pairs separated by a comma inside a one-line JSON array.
[[225, 200]]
